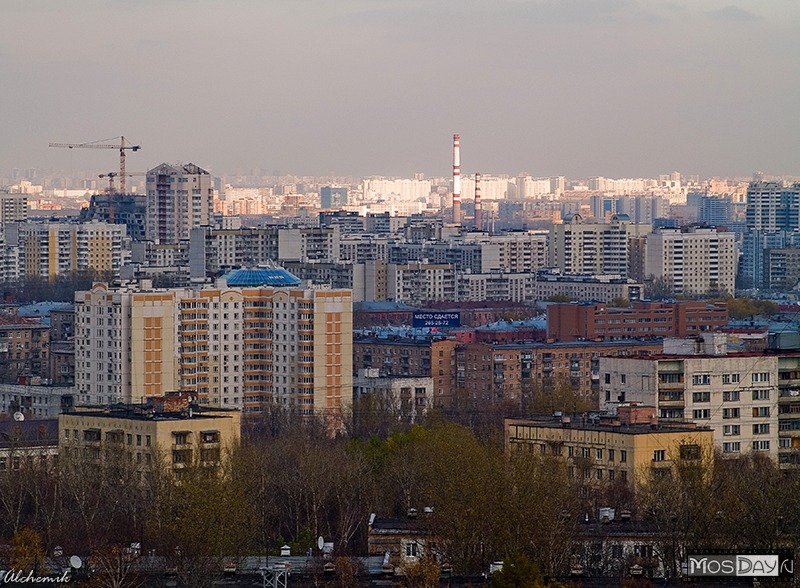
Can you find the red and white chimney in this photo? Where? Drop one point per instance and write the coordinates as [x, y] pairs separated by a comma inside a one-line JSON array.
[[478, 208], [457, 179]]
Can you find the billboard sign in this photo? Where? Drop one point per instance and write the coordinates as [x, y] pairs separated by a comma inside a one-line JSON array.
[[434, 319]]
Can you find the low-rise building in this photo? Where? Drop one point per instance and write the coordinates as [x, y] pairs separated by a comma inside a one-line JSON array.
[[624, 448], [165, 430], [573, 322], [23, 441], [602, 288], [407, 397], [36, 401]]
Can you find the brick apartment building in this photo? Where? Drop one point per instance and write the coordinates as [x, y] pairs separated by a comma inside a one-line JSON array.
[[589, 322], [490, 373]]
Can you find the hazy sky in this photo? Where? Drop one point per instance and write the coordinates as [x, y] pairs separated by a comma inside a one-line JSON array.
[[365, 87]]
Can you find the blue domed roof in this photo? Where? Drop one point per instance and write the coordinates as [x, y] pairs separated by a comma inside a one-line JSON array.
[[275, 277]]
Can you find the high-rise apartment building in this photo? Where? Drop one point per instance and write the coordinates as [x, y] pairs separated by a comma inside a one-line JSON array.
[[773, 206], [254, 341], [13, 208], [580, 247], [126, 343], [179, 198], [333, 196], [748, 399], [692, 260], [49, 249]]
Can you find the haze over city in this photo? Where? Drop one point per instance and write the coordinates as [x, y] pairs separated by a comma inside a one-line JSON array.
[[578, 88]]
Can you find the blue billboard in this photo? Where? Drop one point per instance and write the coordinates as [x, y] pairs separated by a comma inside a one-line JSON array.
[[433, 319]]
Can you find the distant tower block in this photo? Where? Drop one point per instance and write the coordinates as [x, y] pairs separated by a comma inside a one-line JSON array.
[[457, 179], [478, 208]]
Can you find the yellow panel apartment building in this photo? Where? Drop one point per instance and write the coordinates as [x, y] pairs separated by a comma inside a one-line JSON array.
[[622, 448], [256, 340], [150, 436]]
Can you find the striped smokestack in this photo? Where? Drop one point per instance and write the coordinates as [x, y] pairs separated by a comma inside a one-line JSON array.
[[457, 179], [478, 209]]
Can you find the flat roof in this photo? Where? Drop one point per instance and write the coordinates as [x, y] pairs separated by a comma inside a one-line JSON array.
[[633, 429]]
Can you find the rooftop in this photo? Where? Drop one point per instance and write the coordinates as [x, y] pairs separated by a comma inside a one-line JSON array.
[[275, 277], [580, 423]]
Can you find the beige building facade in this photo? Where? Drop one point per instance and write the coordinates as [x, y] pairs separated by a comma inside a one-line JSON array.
[[611, 450], [178, 440]]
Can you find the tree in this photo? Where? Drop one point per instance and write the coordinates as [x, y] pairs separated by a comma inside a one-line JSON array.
[[658, 288], [560, 298], [27, 553], [619, 302], [519, 571]]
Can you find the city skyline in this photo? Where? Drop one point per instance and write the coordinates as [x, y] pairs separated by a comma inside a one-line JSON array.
[[581, 88]]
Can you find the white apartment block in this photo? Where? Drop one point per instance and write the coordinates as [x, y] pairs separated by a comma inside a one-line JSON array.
[[497, 286], [693, 260], [179, 198], [601, 288], [49, 249], [126, 343], [581, 247], [737, 395], [361, 248], [528, 187], [308, 244], [492, 188], [622, 185], [398, 189], [406, 397], [417, 283], [522, 252]]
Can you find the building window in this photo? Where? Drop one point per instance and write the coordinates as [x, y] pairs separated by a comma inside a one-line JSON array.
[[761, 411], [731, 430], [760, 377], [730, 378], [598, 454], [761, 429], [702, 414], [730, 413], [610, 455], [623, 455], [412, 549], [760, 394], [732, 447], [701, 396], [691, 452], [659, 455], [701, 380], [732, 396], [760, 445], [210, 436]]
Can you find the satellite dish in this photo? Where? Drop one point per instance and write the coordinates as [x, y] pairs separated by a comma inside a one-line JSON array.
[[320, 542], [75, 562], [18, 416]]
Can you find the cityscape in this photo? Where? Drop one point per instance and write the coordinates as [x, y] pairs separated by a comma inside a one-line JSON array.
[[388, 295]]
